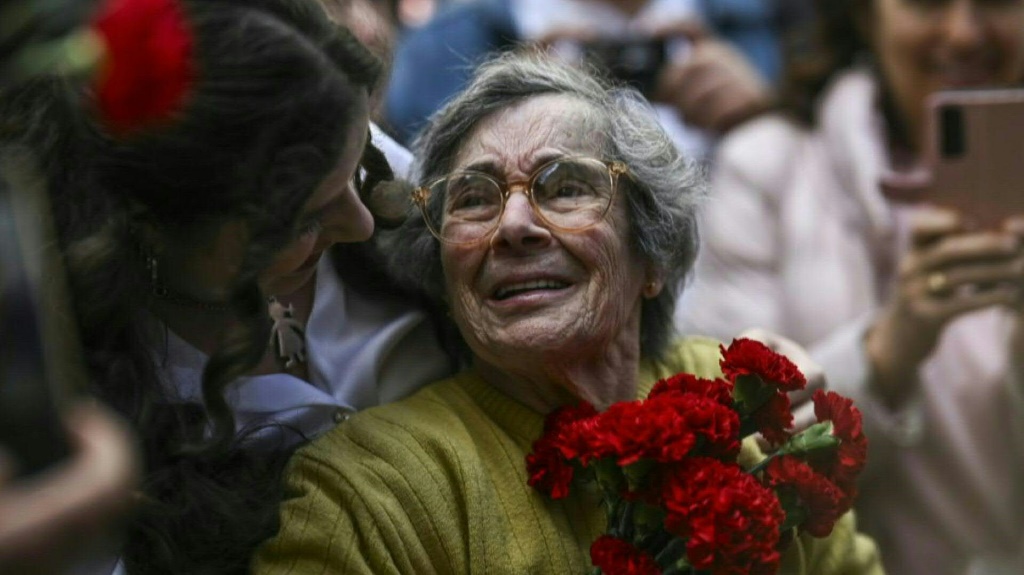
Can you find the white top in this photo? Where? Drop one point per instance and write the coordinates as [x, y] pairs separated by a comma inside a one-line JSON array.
[[798, 239], [360, 353], [535, 19]]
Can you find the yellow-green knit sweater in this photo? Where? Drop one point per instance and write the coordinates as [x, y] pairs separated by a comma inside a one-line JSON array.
[[436, 483]]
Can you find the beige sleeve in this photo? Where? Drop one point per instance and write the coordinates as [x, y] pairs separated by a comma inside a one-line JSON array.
[[845, 552]]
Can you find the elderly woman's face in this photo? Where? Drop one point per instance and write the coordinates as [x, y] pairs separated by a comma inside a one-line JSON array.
[[926, 45], [527, 288]]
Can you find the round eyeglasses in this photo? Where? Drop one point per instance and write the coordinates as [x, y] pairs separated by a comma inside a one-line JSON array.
[[568, 194]]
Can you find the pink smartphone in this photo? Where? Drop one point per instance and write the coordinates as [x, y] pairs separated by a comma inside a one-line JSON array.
[[975, 154]]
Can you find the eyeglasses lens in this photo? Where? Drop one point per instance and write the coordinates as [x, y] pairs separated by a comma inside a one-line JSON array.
[[569, 194]]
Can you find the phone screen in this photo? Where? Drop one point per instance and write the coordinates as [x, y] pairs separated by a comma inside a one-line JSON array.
[[973, 151]]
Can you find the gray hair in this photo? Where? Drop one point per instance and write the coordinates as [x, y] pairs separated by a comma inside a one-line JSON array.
[[665, 188]]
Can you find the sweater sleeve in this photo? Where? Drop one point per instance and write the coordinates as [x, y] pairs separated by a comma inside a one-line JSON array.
[[844, 552], [367, 499]]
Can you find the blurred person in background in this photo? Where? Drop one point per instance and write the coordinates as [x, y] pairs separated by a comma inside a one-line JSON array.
[[696, 80], [909, 310]]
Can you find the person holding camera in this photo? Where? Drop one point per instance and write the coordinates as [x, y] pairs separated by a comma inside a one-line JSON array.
[[701, 85], [909, 310]]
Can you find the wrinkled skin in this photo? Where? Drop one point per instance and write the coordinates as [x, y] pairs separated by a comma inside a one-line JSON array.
[[547, 346]]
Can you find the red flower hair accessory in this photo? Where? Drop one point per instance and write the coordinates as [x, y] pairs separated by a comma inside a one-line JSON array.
[[148, 68]]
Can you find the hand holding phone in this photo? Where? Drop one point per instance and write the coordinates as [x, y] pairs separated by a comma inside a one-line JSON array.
[[973, 151]]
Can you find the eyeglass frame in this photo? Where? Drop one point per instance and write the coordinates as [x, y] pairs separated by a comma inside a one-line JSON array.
[[421, 195]]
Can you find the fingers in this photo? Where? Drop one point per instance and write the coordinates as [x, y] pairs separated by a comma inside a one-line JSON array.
[[691, 30], [952, 250], [942, 310], [56, 513], [929, 225], [803, 417], [714, 87], [947, 272]]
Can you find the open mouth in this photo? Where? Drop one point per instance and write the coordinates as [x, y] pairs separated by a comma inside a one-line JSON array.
[[506, 292]]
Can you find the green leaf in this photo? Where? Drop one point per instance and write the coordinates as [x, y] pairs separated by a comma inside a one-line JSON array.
[[815, 438], [636, 474], [794, 509], [750, 393]]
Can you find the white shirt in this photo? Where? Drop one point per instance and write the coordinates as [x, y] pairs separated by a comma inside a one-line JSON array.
[[360, 352]]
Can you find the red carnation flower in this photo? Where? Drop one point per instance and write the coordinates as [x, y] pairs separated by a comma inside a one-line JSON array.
[[566, 437], [719, 390], [716, 425], [844, 464], [635, 430], [750, 357], [613, 556], [548, 471], [823, 502], [731, 521], [148, 68]]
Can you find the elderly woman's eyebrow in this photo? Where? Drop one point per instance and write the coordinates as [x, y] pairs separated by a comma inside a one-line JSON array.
[[492, 168]]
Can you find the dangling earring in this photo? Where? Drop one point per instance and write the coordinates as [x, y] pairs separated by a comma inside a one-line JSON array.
[[287, 335], [153, 266]]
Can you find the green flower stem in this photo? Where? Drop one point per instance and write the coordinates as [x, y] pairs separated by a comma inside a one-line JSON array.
[[761, 465], [626, 530], [673, 557]]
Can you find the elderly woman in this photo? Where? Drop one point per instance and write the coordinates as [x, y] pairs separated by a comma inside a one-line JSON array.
[[570, 222]]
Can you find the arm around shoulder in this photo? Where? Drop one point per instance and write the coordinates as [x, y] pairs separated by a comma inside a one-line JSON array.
[[360, 501]]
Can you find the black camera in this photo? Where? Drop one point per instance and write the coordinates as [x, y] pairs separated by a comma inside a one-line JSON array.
[[633, 61]]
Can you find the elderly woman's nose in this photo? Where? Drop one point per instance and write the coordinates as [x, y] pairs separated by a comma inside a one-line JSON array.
[[519, 226]]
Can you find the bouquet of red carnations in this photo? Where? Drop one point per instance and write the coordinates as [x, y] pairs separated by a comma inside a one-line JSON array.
[[676, 498]]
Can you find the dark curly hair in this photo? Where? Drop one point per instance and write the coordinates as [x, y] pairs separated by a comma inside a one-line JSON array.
[[832, 43], [264, 124]]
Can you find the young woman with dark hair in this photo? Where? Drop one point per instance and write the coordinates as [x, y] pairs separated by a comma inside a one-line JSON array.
[[177, 238]]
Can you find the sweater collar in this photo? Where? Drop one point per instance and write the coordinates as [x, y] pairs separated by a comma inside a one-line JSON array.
[[522, 422]]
